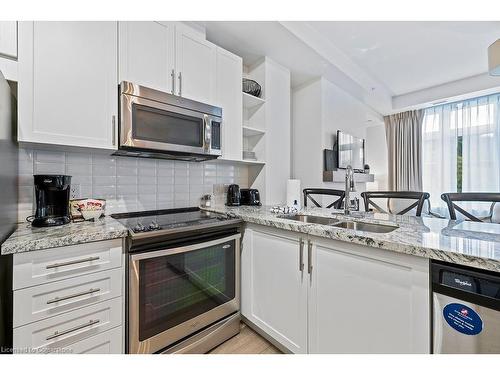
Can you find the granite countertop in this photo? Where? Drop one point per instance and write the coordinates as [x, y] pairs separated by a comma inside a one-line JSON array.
[[27, 238], [455, 241]]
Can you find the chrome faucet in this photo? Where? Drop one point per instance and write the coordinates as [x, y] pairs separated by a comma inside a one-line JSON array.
[[349, 187]]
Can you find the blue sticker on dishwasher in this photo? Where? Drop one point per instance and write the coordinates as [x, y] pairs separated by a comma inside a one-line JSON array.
[[463, 319]]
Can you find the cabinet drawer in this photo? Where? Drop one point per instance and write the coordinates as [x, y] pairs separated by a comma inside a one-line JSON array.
[[109, 342], [44, 266], [47, 300], [61, 331]]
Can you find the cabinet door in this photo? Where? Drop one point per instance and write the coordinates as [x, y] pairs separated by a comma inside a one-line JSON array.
[[8, 38], [274, 290], [366, 300], [195, 60], [147, 54], [229, 88], [68, 76]]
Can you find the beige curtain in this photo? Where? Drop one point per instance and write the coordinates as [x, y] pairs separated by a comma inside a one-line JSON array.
[[403, 132]]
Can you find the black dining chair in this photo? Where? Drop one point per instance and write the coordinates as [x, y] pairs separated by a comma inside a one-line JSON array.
[[416, 198], [493, 198], [331, 192]]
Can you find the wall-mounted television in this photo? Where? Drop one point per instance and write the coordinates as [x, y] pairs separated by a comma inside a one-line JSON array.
[[350, 151]]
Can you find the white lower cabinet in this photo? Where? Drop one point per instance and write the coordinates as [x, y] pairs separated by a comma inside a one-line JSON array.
[[274, 290], [63, 330], [109, 342], [346, 299], [367, 300], [69, 299], [47, 300]]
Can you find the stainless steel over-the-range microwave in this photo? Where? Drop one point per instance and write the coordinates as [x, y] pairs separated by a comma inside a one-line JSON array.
[[161, 125]]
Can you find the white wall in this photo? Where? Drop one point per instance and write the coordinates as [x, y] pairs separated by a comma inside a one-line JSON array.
[[376, 156], [319, 109], [341, 111], [277, 97], [307, 157]]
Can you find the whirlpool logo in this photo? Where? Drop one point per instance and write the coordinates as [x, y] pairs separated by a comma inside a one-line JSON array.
[[462, 282]]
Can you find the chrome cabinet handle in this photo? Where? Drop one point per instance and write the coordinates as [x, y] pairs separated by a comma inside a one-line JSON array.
[[180, 83], [301, 254], [58, 299], [71, 262], [113, 123], [172, 74], [85, 325], [309, 256]]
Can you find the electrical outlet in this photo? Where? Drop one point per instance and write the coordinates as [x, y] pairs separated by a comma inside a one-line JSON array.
[[74, 192]]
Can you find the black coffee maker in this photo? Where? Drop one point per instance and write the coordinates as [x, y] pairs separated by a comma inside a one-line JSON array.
[[52, 200]]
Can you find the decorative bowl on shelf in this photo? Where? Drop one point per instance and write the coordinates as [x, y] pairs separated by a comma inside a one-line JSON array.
[[251, 87]]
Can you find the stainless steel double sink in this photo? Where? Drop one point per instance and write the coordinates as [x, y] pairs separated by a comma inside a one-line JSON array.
[[353, 225]]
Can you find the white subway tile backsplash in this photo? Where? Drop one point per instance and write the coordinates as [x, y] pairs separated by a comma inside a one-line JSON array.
[[50, 156], [49, 168], [79, 169], [126, 171], [26, 194], [78, 158], [126, 180], [103, 169], [126, 190], [146, 172], [147, 189], [104, 180], [128, 184], [107, 192], [25, 180]]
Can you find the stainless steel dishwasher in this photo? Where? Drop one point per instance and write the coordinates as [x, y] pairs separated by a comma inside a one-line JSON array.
[[466, 309]]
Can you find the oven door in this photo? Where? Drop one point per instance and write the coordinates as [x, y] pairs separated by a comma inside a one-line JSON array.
[[150, 125], [176, 292]]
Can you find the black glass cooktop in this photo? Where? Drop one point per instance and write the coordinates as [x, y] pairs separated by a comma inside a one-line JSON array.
[[149, 221]]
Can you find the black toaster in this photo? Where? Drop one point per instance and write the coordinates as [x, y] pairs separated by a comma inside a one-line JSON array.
[[250, 197]]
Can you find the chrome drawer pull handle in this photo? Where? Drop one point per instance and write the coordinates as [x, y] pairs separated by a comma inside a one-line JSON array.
[[58, 334], [58, 299], [55, 265]]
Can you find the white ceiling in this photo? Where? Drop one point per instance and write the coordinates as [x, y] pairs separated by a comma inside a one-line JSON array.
[[380, 63], [411, 56]]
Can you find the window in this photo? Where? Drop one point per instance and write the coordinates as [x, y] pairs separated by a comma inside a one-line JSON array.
[[461, 148]]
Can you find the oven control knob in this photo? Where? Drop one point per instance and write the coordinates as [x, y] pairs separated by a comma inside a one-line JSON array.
[[154, 226], [139, 228]]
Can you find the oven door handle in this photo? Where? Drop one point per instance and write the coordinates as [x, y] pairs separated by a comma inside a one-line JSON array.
[[183, 249]]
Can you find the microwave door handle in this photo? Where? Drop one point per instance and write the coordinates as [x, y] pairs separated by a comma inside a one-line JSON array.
[[206, 134]]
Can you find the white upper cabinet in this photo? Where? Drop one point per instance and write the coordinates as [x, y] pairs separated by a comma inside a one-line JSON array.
[[195, 65], [8, 39], [68, 73], [168, 56], [146, 54], [229, 98]]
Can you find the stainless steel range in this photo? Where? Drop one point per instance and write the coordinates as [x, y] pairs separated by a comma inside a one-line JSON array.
[[183, 287]]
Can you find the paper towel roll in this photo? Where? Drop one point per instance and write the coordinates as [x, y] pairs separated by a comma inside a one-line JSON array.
[[293, 192]]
